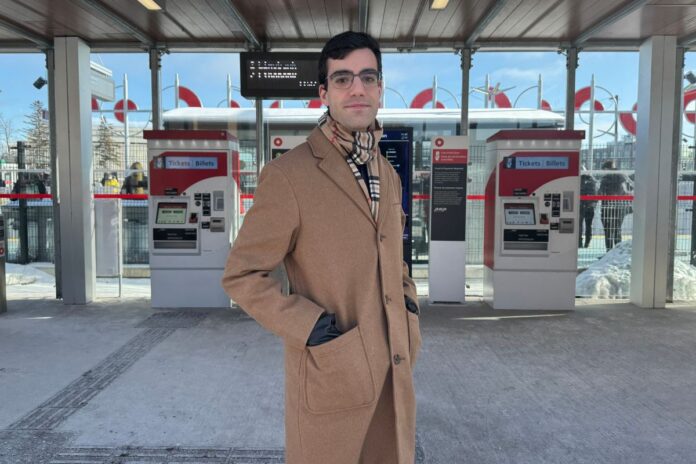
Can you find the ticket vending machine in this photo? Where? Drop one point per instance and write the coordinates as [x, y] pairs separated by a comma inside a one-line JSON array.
[[532, 200], [193, 187]]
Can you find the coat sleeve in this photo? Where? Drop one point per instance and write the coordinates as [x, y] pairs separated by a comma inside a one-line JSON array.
[[409, 284], [267, 235]]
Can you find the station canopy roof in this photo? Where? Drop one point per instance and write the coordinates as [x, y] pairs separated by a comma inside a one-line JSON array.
[[399, 25]]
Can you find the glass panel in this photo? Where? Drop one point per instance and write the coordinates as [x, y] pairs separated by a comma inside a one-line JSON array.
[[684, 277], [608, 154]]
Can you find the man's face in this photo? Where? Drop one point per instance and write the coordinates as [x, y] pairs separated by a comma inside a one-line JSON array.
[[355, 107]]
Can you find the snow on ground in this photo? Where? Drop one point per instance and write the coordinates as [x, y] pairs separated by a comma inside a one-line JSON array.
[[27, 281], [610, 276], [16, 274]]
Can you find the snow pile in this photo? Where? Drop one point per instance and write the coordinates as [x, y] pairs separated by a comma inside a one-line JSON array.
[[610, 276], [684, 281], [16, 274]]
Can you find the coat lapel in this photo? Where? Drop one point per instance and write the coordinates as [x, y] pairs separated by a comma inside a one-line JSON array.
[[336, 168]]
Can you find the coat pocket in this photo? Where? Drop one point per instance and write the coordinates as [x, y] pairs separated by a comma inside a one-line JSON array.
[[414, 336], [337, 375]]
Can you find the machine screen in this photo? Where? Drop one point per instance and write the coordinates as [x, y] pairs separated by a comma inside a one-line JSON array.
[[519, 214], [171, 213]]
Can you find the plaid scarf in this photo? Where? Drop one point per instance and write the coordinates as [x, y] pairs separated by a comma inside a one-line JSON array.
[[358, 148]]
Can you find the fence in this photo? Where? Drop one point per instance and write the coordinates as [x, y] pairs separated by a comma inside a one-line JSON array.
[[606, 219]]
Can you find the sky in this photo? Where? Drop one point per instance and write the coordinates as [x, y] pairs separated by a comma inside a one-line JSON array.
[[406, 74]]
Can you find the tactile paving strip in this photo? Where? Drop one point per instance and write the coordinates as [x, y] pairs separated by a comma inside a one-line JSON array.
[[176, 455], [172, 455], [69, 400], [174, 319]]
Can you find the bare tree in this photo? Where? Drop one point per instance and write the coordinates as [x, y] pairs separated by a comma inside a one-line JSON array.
[[7, 135]]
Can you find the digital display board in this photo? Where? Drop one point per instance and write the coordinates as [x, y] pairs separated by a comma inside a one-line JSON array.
[[519, 214], [171, 213], [279, 75], [397, 146]]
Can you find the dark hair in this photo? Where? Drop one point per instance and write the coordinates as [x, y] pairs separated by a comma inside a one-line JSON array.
[[339, 46], [608, 164]]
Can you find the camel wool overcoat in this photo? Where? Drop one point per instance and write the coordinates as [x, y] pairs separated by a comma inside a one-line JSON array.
[[310, 214]]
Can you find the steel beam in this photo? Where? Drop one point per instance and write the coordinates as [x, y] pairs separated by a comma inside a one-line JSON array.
[[21, 31], [110, 15], [616, 15], [363, 7], [386, 46], [243, 25], [688, 40], [482, 23]]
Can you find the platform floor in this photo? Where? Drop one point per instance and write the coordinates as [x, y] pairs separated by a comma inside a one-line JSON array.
[[117, 382]]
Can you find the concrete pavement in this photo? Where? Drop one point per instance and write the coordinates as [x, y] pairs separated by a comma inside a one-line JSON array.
[[118, 382]]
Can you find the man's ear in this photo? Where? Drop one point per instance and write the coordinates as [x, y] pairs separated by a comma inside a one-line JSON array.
[[322, 95]]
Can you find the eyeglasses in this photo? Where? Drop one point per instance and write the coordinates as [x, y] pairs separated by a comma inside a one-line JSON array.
[[344, 79]]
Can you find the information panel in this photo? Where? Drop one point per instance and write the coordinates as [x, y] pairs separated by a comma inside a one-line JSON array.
[[279, 75], [397, 146], [449, 180]]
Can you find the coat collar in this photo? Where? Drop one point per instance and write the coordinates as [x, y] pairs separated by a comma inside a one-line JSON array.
[[334, 165]]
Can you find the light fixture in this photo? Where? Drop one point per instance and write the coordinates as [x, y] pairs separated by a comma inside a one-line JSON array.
[[690, 77], [40, 82], [150, 5], [439, 4]]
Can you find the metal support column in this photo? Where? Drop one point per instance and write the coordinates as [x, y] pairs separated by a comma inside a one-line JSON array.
[[590, 136], [571, 66], [22, 180], [55, 196], [74, 146], [126, 126], [260, 152], [156, 87], [466, 67], [659, 86]]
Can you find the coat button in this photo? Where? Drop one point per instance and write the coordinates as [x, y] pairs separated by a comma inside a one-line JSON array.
[[397, 359], [382, 237], [387, 299]]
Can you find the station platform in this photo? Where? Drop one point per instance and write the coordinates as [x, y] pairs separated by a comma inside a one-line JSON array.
[[118, 382]]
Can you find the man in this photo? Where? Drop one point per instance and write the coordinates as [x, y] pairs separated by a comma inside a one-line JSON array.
[[136, 182], [588, 186], [330, 210], [614, 211]]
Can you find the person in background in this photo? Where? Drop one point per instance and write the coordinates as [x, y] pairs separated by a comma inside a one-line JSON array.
[[136, 182], [29, 183], [588, 186], [110, 182], [614, 211]]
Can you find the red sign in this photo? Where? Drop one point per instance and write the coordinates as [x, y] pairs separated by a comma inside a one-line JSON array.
[[451, 156]]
